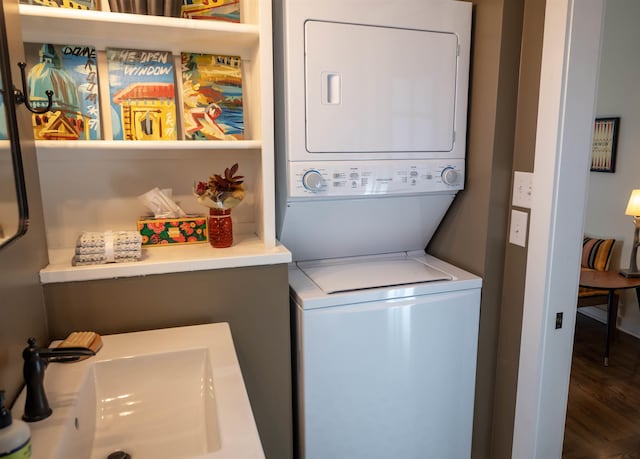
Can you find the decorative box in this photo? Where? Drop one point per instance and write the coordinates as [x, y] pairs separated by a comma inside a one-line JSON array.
[[191, 229]]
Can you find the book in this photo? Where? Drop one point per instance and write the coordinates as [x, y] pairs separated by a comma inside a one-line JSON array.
[[115, 6], [74, 4], [142, 93], [127, 6], [167, 8], [71, 72], [212, 97], [140, 6], [155, 7], [172, 8], [221, 10]]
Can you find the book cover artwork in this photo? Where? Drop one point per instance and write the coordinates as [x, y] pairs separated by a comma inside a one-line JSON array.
[[74, 4], [70, 71], [142, 90], [212, 97], [221, 10]]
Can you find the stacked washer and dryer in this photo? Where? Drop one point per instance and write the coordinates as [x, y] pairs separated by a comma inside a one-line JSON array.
[[371, 106]]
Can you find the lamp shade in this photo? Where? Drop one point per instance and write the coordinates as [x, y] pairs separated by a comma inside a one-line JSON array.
[[633, 208]]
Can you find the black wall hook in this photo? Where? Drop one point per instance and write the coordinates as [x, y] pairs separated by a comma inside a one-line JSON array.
[[21, 96]]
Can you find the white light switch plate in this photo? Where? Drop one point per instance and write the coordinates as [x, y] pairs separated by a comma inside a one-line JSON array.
[[522, 189], [518, 229]]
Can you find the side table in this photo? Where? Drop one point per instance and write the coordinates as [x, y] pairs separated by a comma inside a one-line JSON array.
[[610, 281]]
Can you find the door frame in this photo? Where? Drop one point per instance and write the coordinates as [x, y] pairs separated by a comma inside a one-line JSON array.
[[568, 83]]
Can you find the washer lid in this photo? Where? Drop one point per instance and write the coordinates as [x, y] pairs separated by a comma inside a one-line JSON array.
[[344, 276]]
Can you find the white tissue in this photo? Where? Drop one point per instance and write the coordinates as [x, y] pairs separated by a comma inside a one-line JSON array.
[[160, 203]]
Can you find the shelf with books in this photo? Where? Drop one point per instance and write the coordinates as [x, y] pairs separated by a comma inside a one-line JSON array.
[[92, 185], [128, 95], [185, 93], [104, 29]]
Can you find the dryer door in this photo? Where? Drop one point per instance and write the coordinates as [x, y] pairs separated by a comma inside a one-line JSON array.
[[379, 89]]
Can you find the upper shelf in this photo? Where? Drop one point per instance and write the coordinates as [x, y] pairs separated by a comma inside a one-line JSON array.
[[103, 29], [114, 149]]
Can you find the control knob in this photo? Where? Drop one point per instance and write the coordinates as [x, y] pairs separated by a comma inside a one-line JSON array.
[[449, 176], [312, 180]]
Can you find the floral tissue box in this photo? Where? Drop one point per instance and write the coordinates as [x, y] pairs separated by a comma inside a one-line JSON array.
[[169, 231]]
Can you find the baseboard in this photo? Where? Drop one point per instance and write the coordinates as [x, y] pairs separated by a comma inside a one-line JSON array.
[[595, 313], [633, 333], [600, 315]]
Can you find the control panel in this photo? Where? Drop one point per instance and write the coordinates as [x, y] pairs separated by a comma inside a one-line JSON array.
[[361, 178]]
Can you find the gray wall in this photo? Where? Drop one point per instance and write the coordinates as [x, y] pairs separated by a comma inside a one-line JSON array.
[[254, 300], [21, 303], [510, 328], [501, 138]]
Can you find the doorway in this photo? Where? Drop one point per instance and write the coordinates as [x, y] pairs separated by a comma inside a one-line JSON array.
[[612, 400]]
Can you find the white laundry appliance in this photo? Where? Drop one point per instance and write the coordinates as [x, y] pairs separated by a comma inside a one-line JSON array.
[[371, 105]]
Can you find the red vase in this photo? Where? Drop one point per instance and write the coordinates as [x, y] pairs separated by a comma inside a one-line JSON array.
[[220, 228]]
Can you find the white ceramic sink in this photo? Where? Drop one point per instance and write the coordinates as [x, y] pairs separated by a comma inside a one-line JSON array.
[[174, 393]]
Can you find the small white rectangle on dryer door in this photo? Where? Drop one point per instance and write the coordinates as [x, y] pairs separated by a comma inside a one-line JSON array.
[[331, 88]]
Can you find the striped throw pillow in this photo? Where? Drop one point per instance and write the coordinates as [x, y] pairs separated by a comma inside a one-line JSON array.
[[596, 253]]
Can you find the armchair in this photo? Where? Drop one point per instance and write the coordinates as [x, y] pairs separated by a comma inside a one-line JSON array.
[[597, 254]]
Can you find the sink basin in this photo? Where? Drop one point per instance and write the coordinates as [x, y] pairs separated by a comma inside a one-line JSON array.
[[174, 393]]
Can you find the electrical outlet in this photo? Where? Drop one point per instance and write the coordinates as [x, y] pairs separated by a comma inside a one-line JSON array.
[[518, 228], [522, 189]]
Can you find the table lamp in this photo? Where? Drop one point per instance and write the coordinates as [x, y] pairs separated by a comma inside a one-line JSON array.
[[633, 209]]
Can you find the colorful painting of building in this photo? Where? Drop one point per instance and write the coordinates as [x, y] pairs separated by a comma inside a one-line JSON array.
[[145, 108], [71, 73], [142, 88]]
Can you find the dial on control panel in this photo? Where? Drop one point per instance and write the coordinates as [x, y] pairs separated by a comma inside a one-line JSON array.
[[312, 180], [449, 176]]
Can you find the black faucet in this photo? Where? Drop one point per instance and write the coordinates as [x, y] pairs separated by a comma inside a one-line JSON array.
[[36, 360]]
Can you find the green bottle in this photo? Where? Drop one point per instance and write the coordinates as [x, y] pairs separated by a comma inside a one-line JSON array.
[[15, 436]]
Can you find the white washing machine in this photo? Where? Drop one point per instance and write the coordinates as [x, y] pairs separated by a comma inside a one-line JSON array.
[[371, 103], [386, 371]]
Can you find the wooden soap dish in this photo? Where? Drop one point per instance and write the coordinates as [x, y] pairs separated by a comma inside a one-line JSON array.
[[86, 339]]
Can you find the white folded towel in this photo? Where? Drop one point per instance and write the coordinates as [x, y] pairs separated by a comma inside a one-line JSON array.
[[88, 250], [93, 248], [95, 239]]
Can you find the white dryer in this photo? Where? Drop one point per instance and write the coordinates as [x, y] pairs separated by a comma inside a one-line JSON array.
[[371, 104]]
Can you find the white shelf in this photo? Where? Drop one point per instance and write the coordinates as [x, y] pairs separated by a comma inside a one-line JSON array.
[[83, 150], [153, 145], [247, 250], [88, 185], [68, 26]]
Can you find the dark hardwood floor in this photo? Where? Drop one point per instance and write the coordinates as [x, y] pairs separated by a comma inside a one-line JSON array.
[[603, 412]]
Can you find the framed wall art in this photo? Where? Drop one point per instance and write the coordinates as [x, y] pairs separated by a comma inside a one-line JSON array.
[[604, 145]]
